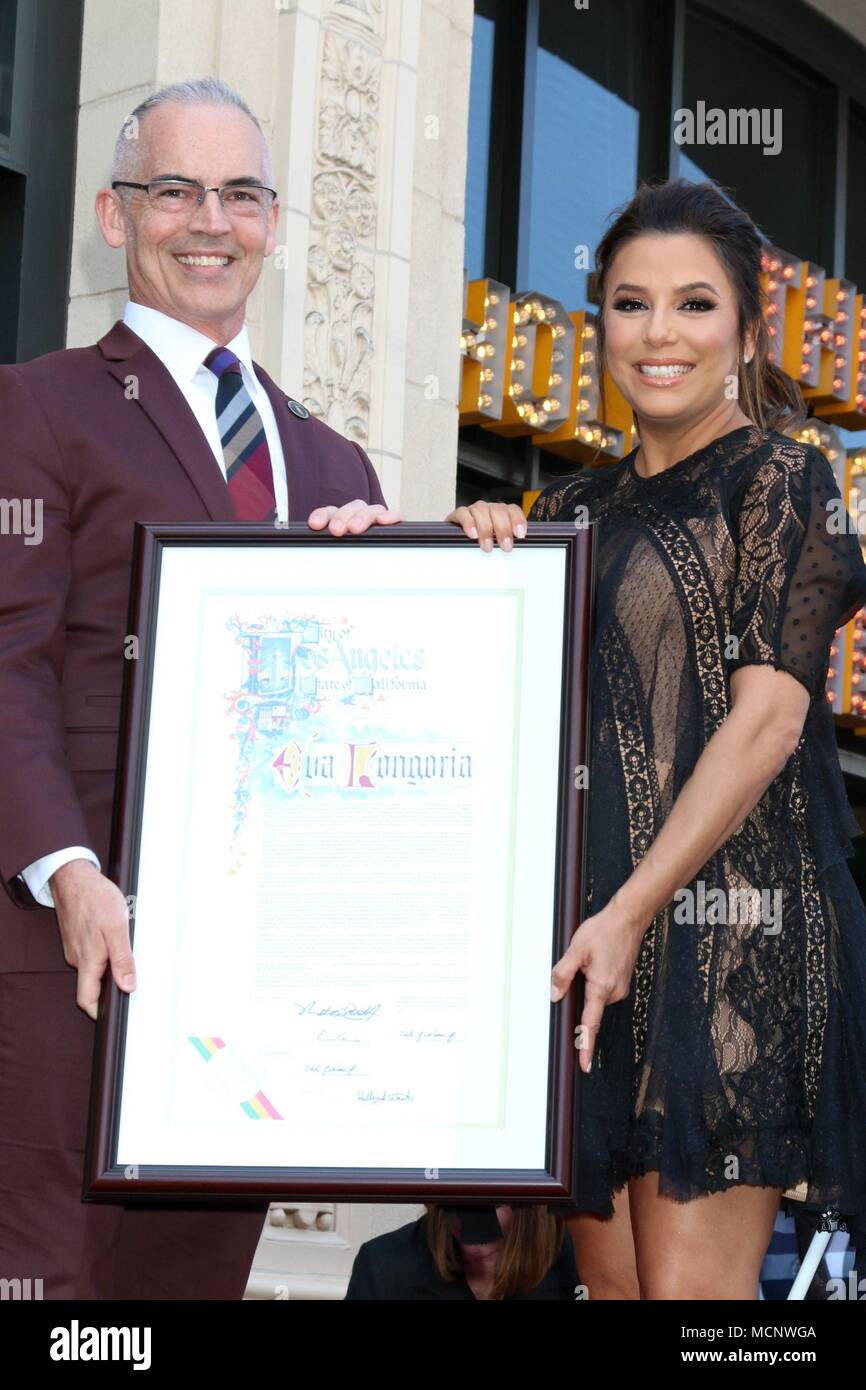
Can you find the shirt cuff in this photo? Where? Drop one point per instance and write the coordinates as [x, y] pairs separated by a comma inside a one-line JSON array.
[[37, 875]]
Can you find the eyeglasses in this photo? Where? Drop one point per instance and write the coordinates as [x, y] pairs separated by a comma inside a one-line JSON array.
[[182, 195]]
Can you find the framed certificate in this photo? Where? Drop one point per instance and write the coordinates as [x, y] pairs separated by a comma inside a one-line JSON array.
[[349, 825]]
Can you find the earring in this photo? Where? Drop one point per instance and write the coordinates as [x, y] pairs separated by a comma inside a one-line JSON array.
[[747, 357]]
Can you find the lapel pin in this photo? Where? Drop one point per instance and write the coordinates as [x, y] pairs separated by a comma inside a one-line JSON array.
[[297, 409]]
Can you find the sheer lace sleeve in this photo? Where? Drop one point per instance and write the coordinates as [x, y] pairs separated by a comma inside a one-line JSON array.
[[800, 573]]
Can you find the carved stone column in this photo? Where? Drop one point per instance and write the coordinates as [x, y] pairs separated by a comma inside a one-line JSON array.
[[341, 277], [361, 304]]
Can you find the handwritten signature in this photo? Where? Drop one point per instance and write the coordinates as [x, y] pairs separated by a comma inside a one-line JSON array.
[[378, 1098], [330, 1069], [362, 1015], [420, 1035]]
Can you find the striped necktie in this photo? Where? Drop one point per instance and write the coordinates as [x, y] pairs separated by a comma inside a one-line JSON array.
[[245, 447]]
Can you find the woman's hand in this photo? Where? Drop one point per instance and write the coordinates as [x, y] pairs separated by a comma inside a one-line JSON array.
[[485, 520], [605, 947]]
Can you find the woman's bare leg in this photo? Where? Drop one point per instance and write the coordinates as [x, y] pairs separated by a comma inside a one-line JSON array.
[[710, 1248], [604, 1251]]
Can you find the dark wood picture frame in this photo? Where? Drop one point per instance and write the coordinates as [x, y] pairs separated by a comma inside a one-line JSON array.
[[105, 1179]]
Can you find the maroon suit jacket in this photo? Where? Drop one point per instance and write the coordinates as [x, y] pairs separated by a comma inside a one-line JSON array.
[[100, 461]]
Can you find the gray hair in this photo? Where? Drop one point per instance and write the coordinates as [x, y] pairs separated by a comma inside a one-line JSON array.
[[201, 91]]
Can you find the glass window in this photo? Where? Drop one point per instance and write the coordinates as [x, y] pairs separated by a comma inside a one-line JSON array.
[[478, 159], [582, 124], [7, 58], [855, 240], [787, 193]]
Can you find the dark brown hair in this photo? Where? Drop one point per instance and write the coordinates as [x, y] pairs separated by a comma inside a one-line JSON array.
[[766, 394], [531, 1244]]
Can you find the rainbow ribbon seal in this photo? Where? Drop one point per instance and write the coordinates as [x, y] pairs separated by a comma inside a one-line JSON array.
[[235, 1077]]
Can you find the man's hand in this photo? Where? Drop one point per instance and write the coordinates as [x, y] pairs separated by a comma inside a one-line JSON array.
[[354, 517], [94, 928]]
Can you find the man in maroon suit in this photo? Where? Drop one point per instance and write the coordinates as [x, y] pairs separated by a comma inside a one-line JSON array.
[[165, 419]]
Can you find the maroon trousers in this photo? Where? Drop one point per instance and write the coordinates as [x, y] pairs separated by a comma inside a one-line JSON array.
[[84, 1249]]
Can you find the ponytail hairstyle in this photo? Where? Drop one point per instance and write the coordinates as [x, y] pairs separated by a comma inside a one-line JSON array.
[[766, 394]]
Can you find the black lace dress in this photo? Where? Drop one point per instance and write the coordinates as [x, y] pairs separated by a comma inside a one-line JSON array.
[[740, 1052]]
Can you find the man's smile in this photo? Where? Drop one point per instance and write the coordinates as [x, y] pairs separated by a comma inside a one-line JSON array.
[[203, 260]]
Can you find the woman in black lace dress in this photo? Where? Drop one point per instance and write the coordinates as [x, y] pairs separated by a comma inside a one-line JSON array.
[[726, 1027]]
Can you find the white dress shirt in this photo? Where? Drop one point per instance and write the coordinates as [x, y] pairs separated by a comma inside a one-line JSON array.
[[182, 350]]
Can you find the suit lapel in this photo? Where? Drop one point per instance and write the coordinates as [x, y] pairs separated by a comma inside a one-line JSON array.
[[127, 356], [298, 439]]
